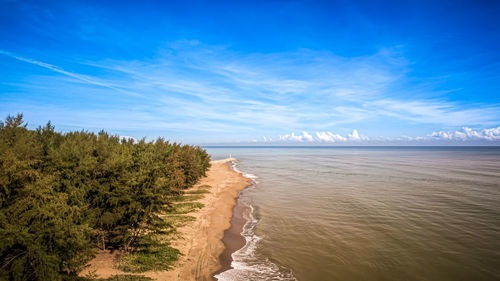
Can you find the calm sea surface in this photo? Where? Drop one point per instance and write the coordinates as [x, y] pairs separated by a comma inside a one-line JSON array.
[[366, 213]]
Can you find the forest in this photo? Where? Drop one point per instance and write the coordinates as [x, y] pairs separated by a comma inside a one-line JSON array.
[[64, 196]]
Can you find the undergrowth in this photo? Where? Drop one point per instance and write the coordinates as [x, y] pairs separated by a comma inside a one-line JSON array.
[[152, 252], [178, 220], [187, 207], [198, 191], [127, 277], [188, 198]]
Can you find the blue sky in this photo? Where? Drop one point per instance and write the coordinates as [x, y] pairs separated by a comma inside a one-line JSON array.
[[205, 72]]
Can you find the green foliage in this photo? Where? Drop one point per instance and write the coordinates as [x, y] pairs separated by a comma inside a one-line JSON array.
[[188, 198], [178, 220], [152, 253], [198, 191], [127, 277], [185, 208], [63, 195], [120, 277], [202, 189], [159, 258]]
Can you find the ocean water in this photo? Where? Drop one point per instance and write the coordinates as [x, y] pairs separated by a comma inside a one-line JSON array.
[[368, 213]]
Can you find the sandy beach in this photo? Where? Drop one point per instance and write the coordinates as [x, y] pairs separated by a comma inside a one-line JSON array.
[[200, 242]]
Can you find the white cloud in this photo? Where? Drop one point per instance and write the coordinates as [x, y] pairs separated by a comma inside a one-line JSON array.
[[297, 138], [468, 134], [492, 134], [355, 136], [307, 136], [329, 137], [324, 137]]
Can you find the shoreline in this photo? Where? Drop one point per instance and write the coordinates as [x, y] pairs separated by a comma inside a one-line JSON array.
[[202, 241], [233, 239]]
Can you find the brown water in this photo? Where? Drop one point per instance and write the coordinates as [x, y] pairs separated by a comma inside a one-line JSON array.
[[369, 214]]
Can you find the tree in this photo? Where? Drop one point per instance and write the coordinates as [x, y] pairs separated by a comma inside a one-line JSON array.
[[64, 195], [40, 234]]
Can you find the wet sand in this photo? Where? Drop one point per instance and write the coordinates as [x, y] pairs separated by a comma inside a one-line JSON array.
[[233, 240], [204, 252]]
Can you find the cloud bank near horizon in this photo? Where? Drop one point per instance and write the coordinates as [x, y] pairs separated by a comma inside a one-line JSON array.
[[468, 134], [464, 135]]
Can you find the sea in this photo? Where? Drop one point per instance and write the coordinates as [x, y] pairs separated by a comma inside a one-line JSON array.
[[368, 213]]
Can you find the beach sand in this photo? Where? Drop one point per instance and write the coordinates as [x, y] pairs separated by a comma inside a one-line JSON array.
[[200, 242]]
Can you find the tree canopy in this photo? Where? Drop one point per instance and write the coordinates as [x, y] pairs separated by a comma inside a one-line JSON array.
[[62, 196]]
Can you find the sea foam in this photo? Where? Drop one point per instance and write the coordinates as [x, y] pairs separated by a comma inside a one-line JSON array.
[[248, 263]]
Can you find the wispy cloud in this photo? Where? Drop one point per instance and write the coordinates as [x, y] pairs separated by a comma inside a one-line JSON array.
[[84, 78], [216, 89], [437, 112], [299, 89]]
